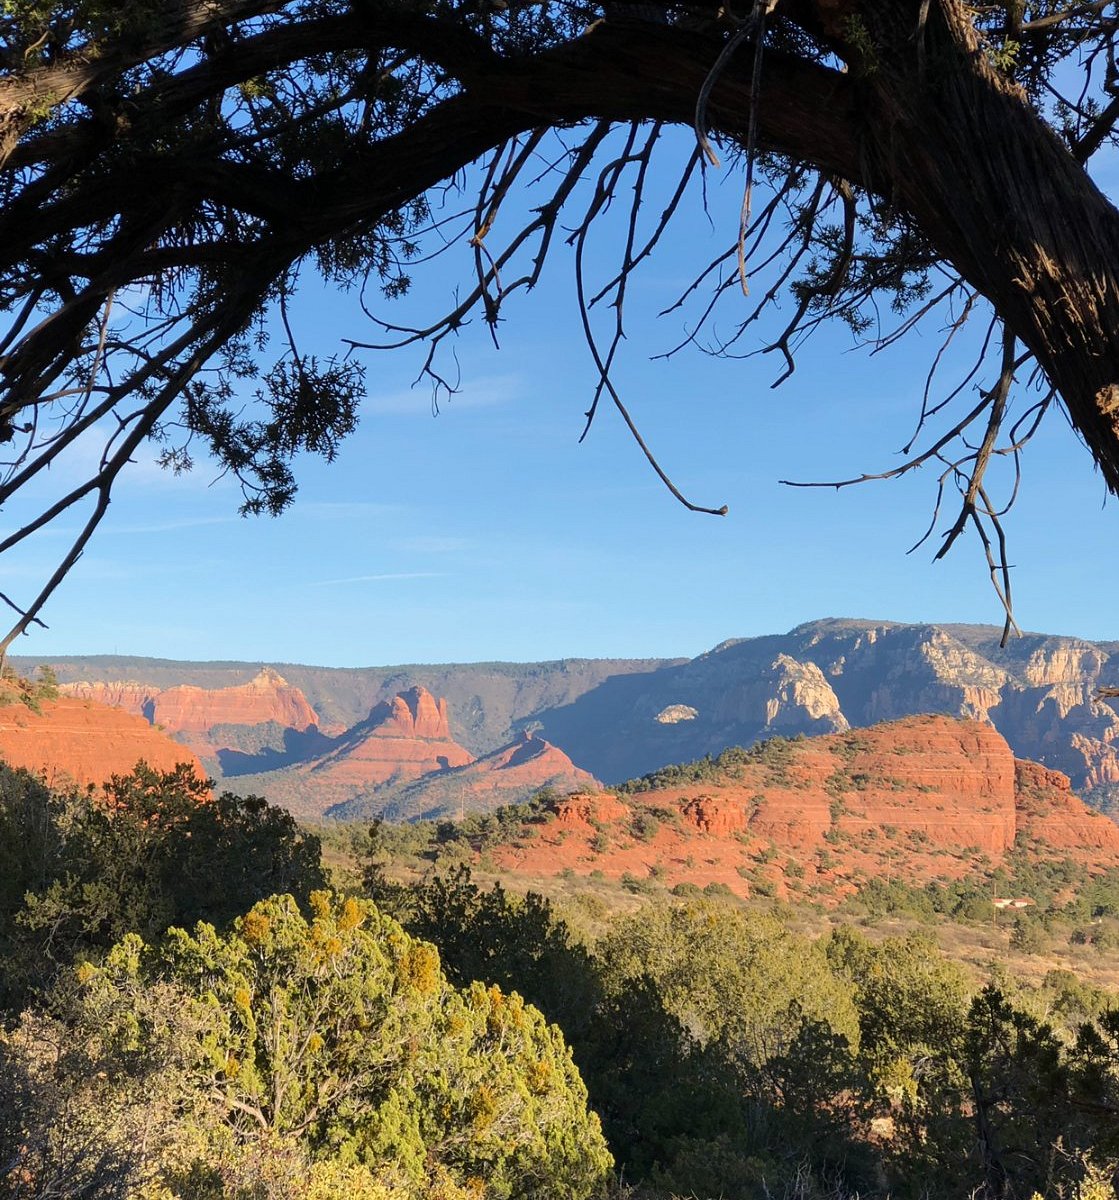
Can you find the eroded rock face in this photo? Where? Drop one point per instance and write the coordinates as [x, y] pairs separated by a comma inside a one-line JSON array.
[[1039, 692], [1051, 815], [75, 741], [1098, 757], [133, 697], [193, 711], [955, 788], [268, 697], [919, 798], [402, 739], [1069, 662], [787, 697], [412, 714], [673, 714], [721, 817], [590, 809], [265, 733]]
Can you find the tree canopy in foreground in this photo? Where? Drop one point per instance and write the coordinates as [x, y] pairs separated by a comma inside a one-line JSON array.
[[324, 1058], [168, 171]]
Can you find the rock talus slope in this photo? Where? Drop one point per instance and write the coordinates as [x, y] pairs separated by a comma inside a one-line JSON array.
[[508, 775]]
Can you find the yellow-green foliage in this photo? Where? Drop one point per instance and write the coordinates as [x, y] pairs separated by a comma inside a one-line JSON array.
[[331, 1056], [912, 1003], [742, 977]]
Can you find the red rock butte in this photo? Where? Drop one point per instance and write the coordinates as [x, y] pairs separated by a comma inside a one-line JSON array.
[[72, 741], [402, 738], [914, 799], [412, 714], [268, 697]]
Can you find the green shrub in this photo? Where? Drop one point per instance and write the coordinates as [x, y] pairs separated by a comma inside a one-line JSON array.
[[252, 1048]]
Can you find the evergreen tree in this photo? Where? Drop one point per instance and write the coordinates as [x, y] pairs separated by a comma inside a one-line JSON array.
[[302, 1050]]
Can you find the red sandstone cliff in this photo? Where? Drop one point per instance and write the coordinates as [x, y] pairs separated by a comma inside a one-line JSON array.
[[268, 697], [133, 697], [412, 714], [1050, 814], [917, 799], [402, 738], [194, 710], [80, 742], [622, 719]]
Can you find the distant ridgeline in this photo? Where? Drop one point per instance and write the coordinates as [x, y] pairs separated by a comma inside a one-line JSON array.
[[264, 738], [338, 741]]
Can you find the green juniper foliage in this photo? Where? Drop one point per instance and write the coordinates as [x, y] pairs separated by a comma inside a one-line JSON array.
[[174, 1036], [80, 869], [331, 1041]]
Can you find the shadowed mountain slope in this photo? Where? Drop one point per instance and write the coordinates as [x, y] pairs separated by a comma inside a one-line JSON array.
[[506, 776], [828, 676], [488, 702]]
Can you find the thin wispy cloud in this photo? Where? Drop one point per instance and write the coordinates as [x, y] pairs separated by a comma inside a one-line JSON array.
[[171, 526], [388, 577]]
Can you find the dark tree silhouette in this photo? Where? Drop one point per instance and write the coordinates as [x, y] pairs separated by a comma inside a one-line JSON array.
[[169, 169]]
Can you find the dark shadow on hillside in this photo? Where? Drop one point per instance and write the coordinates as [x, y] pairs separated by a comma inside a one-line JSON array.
[[525, 752], [290, 747]]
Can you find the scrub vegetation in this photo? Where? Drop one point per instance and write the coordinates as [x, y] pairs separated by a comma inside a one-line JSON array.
[[190, 1009]]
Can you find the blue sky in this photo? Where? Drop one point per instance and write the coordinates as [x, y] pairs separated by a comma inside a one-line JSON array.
[[488, 532]]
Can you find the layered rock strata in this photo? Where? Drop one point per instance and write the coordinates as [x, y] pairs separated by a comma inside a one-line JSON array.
[[916, 799], [77, 742], [402, 738]]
